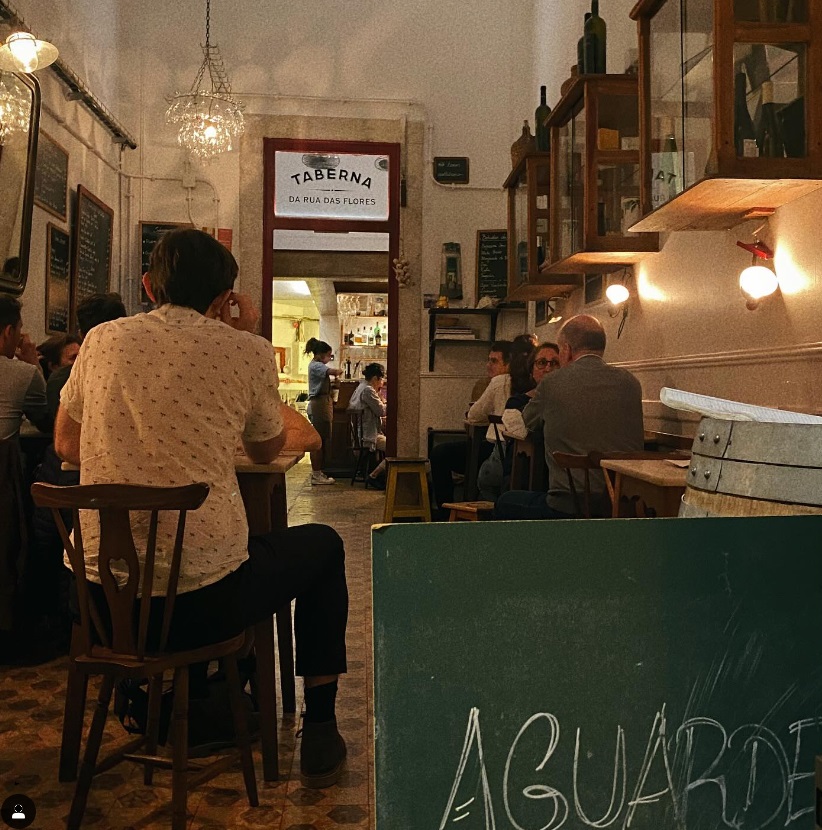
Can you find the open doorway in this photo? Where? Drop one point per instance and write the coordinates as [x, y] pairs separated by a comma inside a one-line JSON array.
[[331, 227]]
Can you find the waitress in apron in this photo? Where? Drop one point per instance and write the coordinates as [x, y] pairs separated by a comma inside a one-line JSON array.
[[320, 403]]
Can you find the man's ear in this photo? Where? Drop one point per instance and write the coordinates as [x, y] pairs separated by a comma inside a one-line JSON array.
[[217, 304], [147, 287]]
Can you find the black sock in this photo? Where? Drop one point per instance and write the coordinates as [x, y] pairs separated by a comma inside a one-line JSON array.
[[320, 702]]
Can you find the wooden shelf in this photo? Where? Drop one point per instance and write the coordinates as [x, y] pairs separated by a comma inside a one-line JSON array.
[[545, 287], [433, 340], [718, 204], [590, 262], [517, 172]]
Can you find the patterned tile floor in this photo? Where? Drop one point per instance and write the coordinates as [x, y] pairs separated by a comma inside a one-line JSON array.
[[31, 702]]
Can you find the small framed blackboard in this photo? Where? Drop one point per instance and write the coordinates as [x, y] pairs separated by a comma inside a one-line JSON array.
[[91, 247], [58, 268], [451, 169], [150, 235], [540, 312], [492, 264], [51, 177]]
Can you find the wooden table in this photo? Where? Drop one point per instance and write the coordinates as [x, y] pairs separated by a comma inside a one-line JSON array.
[[262, 487], [656, 485]]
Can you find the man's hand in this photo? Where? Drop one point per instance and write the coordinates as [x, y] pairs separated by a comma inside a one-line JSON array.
[[239, 312], [27, 351]]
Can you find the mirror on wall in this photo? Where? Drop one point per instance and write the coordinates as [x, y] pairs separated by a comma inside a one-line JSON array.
[[19, 123]]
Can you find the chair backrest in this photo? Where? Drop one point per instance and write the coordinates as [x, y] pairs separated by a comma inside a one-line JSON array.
[[355, 429], [113, 503], [586, 463], [667, 440], [496, 423]]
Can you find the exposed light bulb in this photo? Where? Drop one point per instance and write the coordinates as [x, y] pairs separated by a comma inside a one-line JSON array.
[[24, 48], [617, 293], [210, 132], [22, 52], [757, 282]]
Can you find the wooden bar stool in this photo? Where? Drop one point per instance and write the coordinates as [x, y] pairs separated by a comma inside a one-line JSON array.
[[470, 511], [406, 490]]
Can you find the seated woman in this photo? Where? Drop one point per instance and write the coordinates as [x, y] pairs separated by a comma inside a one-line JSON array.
[[366, 399], [497, 468], [58, 351]]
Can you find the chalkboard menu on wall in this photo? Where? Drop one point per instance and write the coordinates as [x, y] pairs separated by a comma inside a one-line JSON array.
[[91, 246], [492, 264], [51, 176], [57, 280]]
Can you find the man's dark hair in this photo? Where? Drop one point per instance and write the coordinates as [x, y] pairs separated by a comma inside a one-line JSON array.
[[9, 311], [51, 350], [504, 348], [373, 370], [584, 333], [99, 308], [191, 269]]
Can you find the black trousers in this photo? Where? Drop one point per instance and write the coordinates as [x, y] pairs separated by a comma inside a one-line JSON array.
[[448, 457], [306, 562]]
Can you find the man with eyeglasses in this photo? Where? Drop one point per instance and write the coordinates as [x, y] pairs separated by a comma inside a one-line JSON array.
[[449, 457], [585, 406]]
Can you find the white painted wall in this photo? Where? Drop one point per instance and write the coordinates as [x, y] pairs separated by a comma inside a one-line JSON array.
[[689, 325]]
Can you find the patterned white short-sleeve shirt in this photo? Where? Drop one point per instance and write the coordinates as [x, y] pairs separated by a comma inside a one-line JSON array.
[[164, 399]]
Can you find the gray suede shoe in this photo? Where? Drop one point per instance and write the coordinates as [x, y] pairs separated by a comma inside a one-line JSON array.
[[322, 754]]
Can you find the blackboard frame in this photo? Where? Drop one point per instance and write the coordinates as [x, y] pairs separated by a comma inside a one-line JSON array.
[[84, 198], [43, 139], [51, 231], [478, 292], [540, 312], [462, 165]]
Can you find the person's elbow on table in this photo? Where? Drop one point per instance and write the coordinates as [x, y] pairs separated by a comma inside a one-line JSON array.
[[67, 437], [263, 452]]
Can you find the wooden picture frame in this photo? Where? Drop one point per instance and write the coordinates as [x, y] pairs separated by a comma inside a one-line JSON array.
[[58, 279], [91, 248], [51, 177]]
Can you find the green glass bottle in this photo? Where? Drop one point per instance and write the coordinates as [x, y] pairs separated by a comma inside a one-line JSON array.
[[595, 26], [543, 134]]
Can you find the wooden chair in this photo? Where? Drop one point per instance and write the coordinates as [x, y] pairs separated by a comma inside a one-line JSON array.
[[476, 439], [406, 490], [125, 651], [363, 454], [570, 462], [528, 468], [667, 441], [469, 511]]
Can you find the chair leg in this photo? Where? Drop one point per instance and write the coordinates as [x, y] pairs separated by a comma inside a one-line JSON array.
[[241, 729], [73, 713], [179, 769], [267, 697], [155, 700], [286, 653], [95, 738]]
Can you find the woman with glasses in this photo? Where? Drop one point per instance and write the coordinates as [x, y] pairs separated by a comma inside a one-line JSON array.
[[494, 470]]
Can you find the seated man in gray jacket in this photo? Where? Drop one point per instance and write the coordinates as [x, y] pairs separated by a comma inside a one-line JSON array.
[[584, 406]]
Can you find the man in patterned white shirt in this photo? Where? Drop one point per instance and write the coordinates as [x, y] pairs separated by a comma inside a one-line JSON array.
[[165, 398]]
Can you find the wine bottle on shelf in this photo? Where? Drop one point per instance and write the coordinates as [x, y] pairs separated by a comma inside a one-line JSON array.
[[371, 336], [744, 135], [595, 26], [543, 134], [377, 335], [770, 135], [581, 62], [351, 337]]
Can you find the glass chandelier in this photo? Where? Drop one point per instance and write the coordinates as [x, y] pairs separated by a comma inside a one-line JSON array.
[[15, 108], [209, 120]]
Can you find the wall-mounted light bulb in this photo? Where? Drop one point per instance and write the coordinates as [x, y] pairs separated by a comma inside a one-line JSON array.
[[756, 283], [617, 293], [22, 52]]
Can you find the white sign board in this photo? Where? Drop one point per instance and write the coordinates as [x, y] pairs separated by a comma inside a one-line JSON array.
[[331, 186]]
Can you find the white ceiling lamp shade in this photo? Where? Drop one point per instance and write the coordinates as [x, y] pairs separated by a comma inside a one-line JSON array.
[[210, 120], [22, 52]]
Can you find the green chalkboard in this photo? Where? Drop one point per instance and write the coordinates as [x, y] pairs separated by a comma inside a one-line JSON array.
[[90, 247], [656, 674], [51, 176]]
